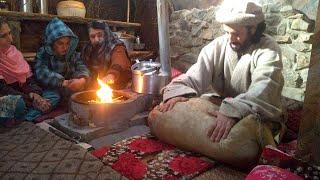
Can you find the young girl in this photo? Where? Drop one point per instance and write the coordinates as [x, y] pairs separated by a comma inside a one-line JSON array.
[[59, 67]]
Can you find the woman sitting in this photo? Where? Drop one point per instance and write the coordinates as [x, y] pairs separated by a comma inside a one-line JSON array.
[[106, 57], [59, 67], [20, 96]]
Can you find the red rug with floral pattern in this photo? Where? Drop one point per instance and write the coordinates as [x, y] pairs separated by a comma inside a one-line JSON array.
[[145, 157]]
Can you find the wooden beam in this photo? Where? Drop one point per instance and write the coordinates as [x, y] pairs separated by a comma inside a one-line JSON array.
[[309, 132], [19, 16]]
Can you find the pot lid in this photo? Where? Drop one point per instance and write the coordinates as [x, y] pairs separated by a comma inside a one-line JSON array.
[[144, 67]]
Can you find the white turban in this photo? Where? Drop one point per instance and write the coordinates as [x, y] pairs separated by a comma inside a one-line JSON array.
[[240, 12]]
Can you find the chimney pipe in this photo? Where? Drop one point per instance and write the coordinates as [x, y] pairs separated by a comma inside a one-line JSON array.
[[164, 42]]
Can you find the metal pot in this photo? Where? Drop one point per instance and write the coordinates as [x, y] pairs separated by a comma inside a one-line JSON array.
[[26, 6], [147, 77], [127, 39], [43, 6], [128, 42]]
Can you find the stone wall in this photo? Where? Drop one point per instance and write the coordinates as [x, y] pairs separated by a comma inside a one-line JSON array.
[[190, 4], [190, 30], [307, 7]]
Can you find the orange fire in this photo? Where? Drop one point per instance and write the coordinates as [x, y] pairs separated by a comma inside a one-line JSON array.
[[104, 93]]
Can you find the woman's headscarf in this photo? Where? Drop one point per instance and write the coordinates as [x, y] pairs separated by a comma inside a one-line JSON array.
[[101, 53], [13, 67]]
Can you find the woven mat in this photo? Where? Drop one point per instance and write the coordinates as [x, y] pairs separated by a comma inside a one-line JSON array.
[[222, 173], [28, 152]]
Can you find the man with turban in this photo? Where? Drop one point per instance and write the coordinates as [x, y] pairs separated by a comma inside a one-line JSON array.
[[243, 67]]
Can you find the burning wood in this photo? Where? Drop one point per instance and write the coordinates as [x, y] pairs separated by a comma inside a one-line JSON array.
[[105, 95], [114, 100]]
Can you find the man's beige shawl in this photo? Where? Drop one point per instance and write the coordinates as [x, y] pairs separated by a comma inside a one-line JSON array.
[[251, 83]]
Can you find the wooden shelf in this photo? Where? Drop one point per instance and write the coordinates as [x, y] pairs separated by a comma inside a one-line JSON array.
[[141, 54], [29, 56], [19, 16]]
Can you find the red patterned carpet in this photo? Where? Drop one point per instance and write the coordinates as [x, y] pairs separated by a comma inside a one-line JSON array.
[[145, 157]]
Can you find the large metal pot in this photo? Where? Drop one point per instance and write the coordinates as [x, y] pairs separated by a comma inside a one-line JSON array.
[[147, 77]]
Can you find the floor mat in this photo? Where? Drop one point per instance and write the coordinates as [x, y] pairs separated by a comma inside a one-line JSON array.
[[57, 112], [28, 152], [221, 172], [145, 157]]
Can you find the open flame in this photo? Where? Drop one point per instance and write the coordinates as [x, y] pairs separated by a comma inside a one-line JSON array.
[[104, 94]]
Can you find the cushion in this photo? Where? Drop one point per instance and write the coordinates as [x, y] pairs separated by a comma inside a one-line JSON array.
[[185, 126]]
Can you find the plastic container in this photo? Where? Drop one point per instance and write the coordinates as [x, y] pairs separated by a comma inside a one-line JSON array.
[[71, 8]]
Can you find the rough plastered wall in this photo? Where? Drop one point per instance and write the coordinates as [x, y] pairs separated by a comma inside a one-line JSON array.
[[290, 22]]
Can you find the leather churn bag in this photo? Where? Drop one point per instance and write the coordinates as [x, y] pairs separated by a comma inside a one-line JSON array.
[[186, 126]]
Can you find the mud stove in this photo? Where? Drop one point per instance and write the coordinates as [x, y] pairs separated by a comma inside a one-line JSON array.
[[89, 119]]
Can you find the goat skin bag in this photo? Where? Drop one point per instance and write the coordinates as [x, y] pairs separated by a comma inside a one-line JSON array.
[[186, 126]]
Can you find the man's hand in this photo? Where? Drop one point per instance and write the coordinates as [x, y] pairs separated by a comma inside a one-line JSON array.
[[109, 79], [221, 128], [40, 103], [170, 103], [76, 84]]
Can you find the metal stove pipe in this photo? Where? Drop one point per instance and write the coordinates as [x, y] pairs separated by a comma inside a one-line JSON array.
[[164, 42]]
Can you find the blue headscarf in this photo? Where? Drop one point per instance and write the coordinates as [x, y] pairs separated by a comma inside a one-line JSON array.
[[55, 30], [51, 70]]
